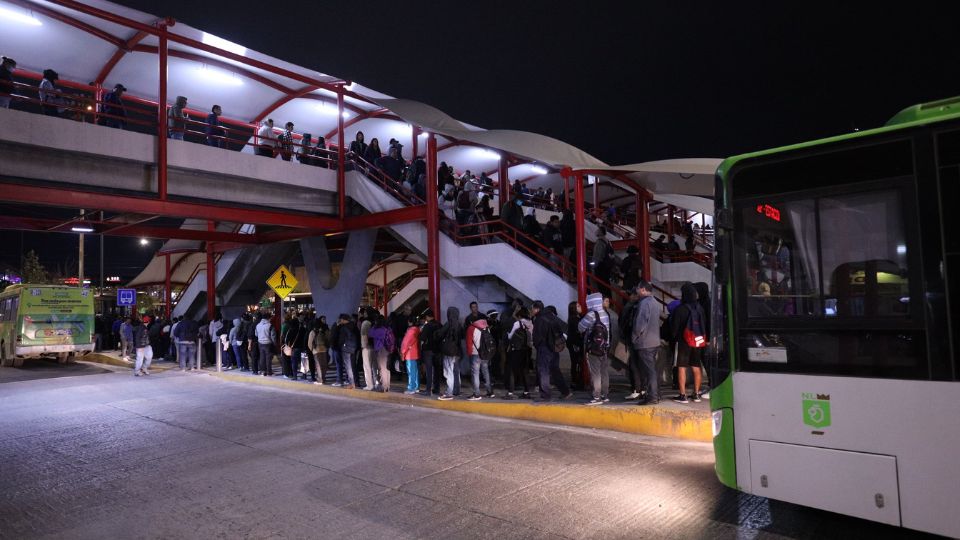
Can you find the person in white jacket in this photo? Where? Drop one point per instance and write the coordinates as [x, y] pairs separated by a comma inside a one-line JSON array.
[[267, 140]]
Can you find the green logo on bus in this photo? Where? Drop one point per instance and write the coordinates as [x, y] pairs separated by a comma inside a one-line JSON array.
[[816, 410]]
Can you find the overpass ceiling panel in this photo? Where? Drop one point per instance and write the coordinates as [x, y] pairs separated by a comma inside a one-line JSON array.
[[472, 158], [307, 115], [384, 130], [115, 29], [54, 45]]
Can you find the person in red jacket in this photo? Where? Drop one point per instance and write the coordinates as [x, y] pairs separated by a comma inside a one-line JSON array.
[[410, 351]]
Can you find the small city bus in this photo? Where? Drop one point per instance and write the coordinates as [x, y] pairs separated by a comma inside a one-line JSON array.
[[41, 320], [835, 315]]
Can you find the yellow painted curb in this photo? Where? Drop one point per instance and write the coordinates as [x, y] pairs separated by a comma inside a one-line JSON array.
[[98, 358], [691, 425]]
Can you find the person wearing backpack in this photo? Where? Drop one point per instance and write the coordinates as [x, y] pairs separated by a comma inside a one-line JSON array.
[[481, 348], [645, 341], [451, 335], [347, 343], [410, 352], [634, 367], [595, 329], [519, 340], [382, 341], [688, 331], [548, 339]]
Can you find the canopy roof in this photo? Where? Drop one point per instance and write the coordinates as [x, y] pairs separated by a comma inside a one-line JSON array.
[[250, 86]]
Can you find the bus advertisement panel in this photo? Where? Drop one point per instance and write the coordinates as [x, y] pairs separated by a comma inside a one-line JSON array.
[[55, 317]]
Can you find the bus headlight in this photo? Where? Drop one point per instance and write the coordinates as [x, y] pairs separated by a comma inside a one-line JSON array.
[[717, 423]]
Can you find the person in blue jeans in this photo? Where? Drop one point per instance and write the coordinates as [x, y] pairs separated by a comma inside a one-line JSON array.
[[186, 335], [645, 339], [478, 365], [410, 352]]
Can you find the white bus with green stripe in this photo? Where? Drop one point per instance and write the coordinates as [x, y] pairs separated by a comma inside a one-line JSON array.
[[835, 316], [44, 320]]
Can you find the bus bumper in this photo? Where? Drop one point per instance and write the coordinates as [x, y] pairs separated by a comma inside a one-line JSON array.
[[37, 350]]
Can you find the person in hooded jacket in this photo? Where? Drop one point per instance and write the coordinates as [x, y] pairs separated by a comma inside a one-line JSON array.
[[453, 332], [703, 298], [519, 340], [381, 338], [430, 353], [478, 365], [599, 363], [317, 346], [687, 356], [410, 352], [512, 212], [579, 371], [266, 336], [546, 328]]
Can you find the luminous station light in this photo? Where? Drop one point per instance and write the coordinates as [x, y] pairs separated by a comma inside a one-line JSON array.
[[220, 77], [82, 228], [536, 169], [326, 108], [19, 16], [488, 154], [144, 241], [220, 43]]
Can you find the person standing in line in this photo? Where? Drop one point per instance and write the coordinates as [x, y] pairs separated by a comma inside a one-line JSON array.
[[285, 141], [519, 341], [266, 140], [290, 355], [383, 343], [186, 336], [126, 338], [113, 109], [317, 345], [366, 351], [479, 365], [547, 332], [7, 65], [410, 352], [141, 342], [334, 351], [215, 134], [451, 335], [430, 355], [49, 93], [645, 340], [596, 345], [266, 337], [177, 119], [579, 370], [348, 343], [688, 315]]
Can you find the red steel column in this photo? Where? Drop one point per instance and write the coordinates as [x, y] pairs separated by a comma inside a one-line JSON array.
[[162, 118], [341, 174], [643, 231], [581, 241], [166, 286], [385, 295], [566, 192], [503, 188], [414, 144], [596, 197], [211, 275], [433, 228]]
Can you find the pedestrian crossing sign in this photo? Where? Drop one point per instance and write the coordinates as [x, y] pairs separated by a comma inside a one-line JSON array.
[[282, 281]]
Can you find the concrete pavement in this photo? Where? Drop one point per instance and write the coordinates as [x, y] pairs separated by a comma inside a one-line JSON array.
[[180, 455]]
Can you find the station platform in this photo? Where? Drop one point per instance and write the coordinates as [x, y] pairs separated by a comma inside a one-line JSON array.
[[666, 419]]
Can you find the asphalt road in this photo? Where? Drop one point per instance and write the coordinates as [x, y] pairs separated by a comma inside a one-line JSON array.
[[90, 452]]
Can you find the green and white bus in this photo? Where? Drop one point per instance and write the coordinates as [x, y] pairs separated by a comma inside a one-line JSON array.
[[835, 316], [38, 320]]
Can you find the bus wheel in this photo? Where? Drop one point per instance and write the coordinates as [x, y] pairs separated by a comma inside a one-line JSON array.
[[72, 358], [17, 361], [62, 358]]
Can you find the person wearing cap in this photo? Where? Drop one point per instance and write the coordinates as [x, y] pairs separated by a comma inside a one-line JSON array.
[[177, 119], [113, 109], [7, 65]]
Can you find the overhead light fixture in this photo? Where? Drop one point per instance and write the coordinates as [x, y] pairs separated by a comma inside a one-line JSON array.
[[144, 241], [82, 228], [489, 154], [220, 43], [221, 77], [538, 169], [19, 17]]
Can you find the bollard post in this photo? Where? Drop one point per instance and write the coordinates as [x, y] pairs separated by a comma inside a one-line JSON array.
[[219, 357], [199, 353]]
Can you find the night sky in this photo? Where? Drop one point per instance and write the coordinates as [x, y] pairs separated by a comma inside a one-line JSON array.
[[625, 81]]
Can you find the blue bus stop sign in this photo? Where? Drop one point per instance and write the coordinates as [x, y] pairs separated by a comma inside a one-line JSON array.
[[126, 297]]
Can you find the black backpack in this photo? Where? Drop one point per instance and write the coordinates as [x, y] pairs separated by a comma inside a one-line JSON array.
[[463, 200], [557, 340], [488, 345], [627, 320], [519, 339], [449, 345], [598, 339]]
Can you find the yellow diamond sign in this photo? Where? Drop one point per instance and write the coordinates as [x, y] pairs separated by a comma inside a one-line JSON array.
[[282, 281]]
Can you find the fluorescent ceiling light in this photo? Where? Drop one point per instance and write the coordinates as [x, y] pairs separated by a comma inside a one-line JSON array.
[[538, 169], [326, 108], [218, 76], [489, 154], [19, 16], [81, 228], [221, 43], [144, 241]]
